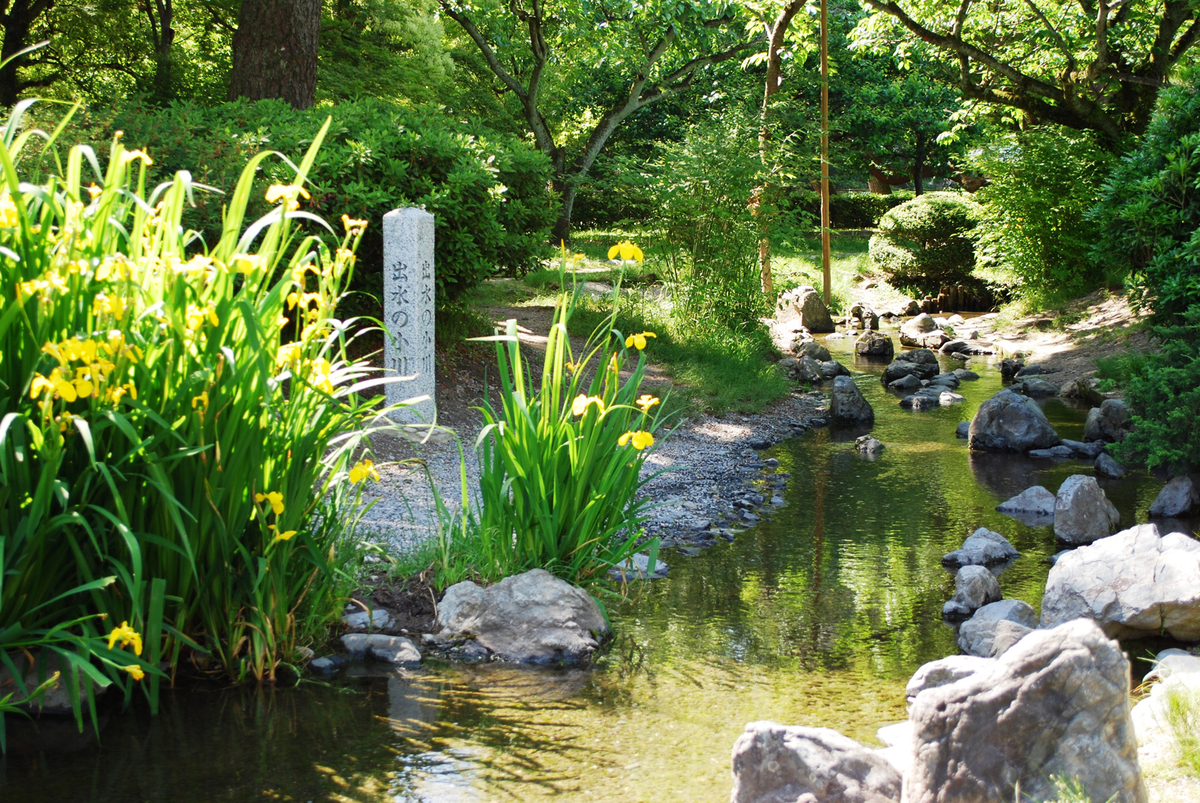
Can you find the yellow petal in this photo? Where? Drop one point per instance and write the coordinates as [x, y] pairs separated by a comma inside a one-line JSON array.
[[612, 252]]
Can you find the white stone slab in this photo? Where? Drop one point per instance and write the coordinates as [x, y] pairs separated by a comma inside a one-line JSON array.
[[408, 292]]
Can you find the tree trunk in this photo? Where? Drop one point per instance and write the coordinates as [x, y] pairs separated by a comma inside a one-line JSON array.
[[275, 51], [17, 22], [562, 226], [919, 165], [162, 88], [877, 184]]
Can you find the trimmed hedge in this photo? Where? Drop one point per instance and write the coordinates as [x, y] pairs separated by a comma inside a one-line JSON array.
[[847, 210], [924, 243], [488, 191]]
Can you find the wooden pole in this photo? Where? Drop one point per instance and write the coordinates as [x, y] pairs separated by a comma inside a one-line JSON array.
[[825, 148]]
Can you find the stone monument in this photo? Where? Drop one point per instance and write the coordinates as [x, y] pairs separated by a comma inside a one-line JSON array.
[[408, 291]]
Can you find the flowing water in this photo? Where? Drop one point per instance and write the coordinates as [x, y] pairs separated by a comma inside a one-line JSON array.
[[817, 616]]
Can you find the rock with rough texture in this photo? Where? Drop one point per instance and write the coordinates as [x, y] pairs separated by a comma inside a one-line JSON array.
[[391, 649], [775, 763], [1133, 584], [978, 635], [944, 671], [527, 618], [811, 348], [1036, 501], [847, 405], [808, 370], [1179, 496], [905, 384], [1085, 451], [1009, 422], [974, 587], [1106, 466], [1056, 705], [1009, 368], [921, 363], [922, 332], [1038, 388], [832, 368], [964, 375], [867, 445], [946, 398], [1082, 512], [875, 345], [963, 430], [362, 620], [806, 304], [1085, 388], [1059, 452], [1110, 422], [1177, 673], [982, 548]]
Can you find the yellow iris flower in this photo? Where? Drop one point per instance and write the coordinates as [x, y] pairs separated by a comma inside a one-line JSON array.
[[639, 340], [288, 193], [142, 156], [275, 498], [580, 405], [646, 401], [134, 671], [641, 439], [364, 469], [126, 635], [353, 227], [627, 251]]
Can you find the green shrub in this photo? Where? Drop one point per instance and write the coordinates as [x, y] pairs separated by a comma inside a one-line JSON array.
[[172, 474], [925, 244], [847, 210], [1149, 216], [487, 191], [560, 463], [1034, 224]]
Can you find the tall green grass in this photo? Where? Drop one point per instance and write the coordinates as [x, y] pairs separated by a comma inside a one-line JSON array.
[[177, 423]]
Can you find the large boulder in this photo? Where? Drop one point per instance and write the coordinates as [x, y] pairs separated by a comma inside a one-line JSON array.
[[982, 548], [944, 671], [811, 348], [1178, 497], [1110, 422], [921, 363], [874, 344], [974, 587], [528, 618], [1134, 584], [1034, 503], [775, 763], [1082, 512], [1009, 422], [995, 627], [833, 368], [1055, 706], [847, 405], [923, 332], [805, 303]]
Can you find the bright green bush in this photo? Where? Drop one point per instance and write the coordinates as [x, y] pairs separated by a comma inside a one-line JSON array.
[[1149, 216], [560, 463], [487, 191], [1163, 393], [924, 244], [177, 424], [1034, 225]]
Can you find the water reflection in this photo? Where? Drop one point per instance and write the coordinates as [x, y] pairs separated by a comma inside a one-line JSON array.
[[817, 616]]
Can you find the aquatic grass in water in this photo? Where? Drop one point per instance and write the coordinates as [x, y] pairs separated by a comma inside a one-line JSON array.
[[168, 459]]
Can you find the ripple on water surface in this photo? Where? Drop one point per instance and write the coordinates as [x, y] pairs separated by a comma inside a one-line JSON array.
[[818, 616]]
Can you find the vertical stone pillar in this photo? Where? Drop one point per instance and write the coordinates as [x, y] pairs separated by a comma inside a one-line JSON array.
[[408, 291]]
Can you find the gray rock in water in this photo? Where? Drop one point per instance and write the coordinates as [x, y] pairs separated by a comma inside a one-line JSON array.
[[920, 401], [637, 567], [1033, 369], [833, 368], [847, 405], [875, 345], [812, 348], [1059, 452], [950, 669], [391, 649], [527, 618], [1037, 500], [868, 445], [948, 381], [1009, 368], [921, 363], [946, 398], [1133, 584], [963, 430], [806, 303], [906, 383], [327, 664], [1054, 706], [954, 346], [982, 548], [1008, 422], [775, 763], [363, 620], [1085, 451], [1082, 512], [964, 375], [1110, 422], [1178, 497], [974, 587], [1038, 388], [922, 332], [808, 370], [1106, 466], [978, 635]]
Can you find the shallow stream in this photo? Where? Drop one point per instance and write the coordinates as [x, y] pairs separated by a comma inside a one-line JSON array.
[[817, 616]]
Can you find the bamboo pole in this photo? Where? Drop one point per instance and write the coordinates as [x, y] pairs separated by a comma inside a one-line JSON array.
[[825, 270]]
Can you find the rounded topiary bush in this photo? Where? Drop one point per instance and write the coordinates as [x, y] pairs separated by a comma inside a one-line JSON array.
[[923, 244]]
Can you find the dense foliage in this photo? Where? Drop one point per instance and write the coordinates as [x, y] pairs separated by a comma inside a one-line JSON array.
[[179, 424], [925, 243], [1034, 227], [487, 191], [1149, 217], [847, 210]]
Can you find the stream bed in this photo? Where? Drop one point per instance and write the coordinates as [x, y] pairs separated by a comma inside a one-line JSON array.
[[816, 616]]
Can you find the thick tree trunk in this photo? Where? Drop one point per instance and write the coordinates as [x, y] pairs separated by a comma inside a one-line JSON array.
[[275, 51], [17, 22], [562, 226], [162, 89]]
